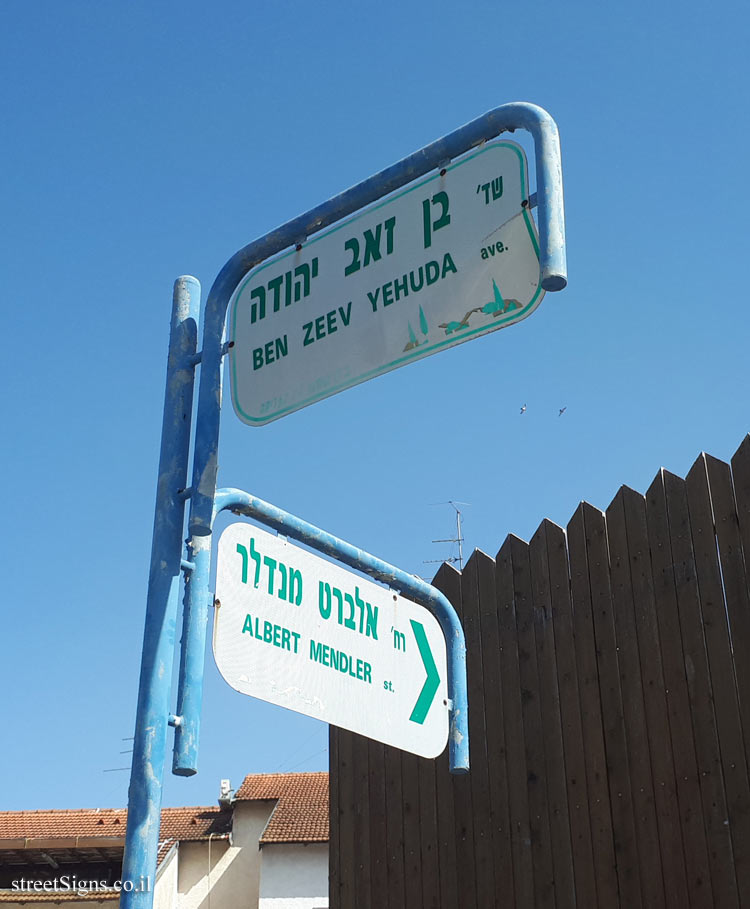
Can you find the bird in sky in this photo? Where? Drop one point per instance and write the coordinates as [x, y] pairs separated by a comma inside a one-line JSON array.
[[562, 410], [523, 409]]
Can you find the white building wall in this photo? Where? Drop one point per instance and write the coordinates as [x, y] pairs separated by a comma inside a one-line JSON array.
[[165, 890], [294, 876], [233, 872]]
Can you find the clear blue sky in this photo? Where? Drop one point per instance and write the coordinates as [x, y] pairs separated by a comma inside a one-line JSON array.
[[142, 141]]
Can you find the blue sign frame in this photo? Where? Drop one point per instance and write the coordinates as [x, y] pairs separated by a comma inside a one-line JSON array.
[[167, 561]]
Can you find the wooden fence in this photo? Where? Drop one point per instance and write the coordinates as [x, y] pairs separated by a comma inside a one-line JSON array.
[[609, 711]]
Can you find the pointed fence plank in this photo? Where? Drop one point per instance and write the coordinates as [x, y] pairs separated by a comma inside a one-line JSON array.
[[634, 712], [479, 778], [536, 778], [698, 875], [549, 699], [718, 647], [447, 580], [495, 730], [734, 582], [510, 683], [574, 762], [475, 873], [741, 481], [600, 812], [660, 770], [615, 738], [713, 796]]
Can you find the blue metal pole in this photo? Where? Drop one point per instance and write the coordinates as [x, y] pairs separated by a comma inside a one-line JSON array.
[[239, 502], [152, 716], [517, 115], [190, 681]]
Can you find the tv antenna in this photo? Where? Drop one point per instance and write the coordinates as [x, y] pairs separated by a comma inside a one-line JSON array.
[[457, 539]]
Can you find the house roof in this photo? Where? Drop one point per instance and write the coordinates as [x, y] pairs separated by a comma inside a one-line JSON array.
[[92, 836], [301, 813], [12, 896], [103, 826]]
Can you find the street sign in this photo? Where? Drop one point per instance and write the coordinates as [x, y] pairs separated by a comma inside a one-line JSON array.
[[451, 257], [296, 630]]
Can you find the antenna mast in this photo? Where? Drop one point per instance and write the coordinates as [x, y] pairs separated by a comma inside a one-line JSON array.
[[457, 539]]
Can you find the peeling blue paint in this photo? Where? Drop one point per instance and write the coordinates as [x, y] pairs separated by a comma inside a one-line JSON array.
[[149, 745]]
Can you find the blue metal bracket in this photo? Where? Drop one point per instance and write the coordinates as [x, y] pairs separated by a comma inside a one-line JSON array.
[[242, 503]]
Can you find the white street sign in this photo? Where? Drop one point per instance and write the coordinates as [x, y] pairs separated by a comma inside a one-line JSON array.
[[452, 257], [296, 630]]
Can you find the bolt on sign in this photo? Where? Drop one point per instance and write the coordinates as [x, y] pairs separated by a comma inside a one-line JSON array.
[[451, 257], [296, 630]]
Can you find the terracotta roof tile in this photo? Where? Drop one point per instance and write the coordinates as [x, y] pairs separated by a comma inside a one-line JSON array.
[[300, 816], [176, 823], [194, 823], [81, 822], [13, 896], [301, 813]]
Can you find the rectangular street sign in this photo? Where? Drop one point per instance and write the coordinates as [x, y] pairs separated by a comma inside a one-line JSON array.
[[453, 256], [296, 630]]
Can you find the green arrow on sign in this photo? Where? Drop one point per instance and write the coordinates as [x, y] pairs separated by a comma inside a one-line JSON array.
[[424, 701]]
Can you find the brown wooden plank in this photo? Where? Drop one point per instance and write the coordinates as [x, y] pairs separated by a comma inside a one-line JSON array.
[[361, 768], [726, 706], [536, 779], [741, 481], [713, 797], [659, 746], [615, 740], [394, 828], [412, 839], [602, 833], [462, 793], [570, 715], [334, 819], [495, 731], [461, 786], [518, 799], [428, 834], [377, 832], [554, 756], [347, 891], [634, 710], [448, 580], [734, 579], [680, 723], [479, 776]]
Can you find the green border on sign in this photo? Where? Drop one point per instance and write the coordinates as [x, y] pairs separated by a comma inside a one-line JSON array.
[[515, 316]]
